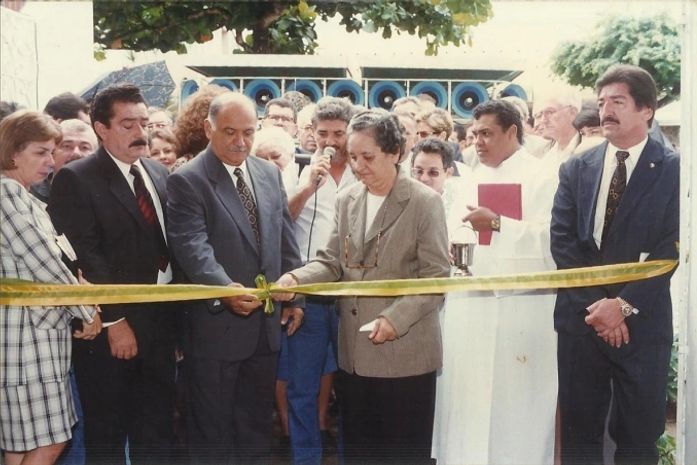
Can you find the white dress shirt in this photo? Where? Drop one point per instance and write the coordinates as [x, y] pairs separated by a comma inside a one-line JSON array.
[[609, 166], [163, 277]]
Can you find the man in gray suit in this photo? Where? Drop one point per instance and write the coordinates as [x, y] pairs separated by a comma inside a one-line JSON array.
[[229, 222]]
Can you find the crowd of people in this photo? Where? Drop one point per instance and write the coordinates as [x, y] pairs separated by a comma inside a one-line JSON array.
[[116, 192]]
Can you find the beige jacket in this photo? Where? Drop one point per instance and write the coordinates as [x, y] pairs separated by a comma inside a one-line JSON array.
[[413, 244]]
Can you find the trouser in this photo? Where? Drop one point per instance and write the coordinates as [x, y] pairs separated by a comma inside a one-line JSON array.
[[126, 400], [634, 375], [307, 356], [230, 410], [387, 420]]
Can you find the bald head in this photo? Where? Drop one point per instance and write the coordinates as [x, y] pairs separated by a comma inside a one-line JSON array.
[[236, 99], [230, 127]]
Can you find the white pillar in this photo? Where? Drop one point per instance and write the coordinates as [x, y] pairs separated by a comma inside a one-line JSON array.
[[686, 441]]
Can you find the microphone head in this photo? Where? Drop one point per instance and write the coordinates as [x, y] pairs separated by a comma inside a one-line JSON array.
[[329, 152]]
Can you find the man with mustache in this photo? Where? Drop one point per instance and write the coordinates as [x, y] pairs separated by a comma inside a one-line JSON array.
[[228, 222], [616, 203], [111, 206]]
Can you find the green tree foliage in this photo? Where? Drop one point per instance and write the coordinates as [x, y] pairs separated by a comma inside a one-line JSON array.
[[264, 26], [651, 43]]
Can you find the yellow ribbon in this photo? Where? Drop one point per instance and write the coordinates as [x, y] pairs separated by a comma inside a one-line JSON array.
[[24, 293]]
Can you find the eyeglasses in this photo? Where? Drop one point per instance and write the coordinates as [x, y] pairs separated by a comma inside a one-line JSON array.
[[281, 118], [152, 126], [418, 172], [424, 134], [361, 265]]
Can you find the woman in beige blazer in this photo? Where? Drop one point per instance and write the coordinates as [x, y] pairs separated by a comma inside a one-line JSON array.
[[387, 227]]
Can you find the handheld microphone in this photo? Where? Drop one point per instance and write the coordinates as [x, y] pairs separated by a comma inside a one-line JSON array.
[[327, 152]]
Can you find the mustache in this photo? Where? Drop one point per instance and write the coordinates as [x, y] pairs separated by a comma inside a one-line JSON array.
[[609, 119], [138, 142]]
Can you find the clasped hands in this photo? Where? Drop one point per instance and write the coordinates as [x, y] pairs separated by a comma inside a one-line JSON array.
[[605, 316], [245, 305]]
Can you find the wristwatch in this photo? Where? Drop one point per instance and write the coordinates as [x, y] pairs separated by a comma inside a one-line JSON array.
[[496, 223], [626, 308]]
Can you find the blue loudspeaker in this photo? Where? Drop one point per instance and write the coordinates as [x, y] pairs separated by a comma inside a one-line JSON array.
[[261, 91], [434, 89], [465, 96], [514, 90], [347, 88], [188, 89], [307, 87], [383, 93], [227, 83]]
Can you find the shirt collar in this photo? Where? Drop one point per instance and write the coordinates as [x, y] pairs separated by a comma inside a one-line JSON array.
[[125, 168], [634, 151]]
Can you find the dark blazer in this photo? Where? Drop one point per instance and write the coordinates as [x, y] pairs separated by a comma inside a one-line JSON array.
[[214, 244], [646, 222], [92, 203]]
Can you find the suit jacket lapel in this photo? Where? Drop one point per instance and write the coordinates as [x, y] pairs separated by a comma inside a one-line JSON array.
[[227, 194], [356, 217], [158, 181], [120, 188], [591, 174], [646, 172]]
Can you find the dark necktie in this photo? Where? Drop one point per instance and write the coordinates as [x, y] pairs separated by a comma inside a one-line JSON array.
[[147, 208], [617, 186], [248, 202]]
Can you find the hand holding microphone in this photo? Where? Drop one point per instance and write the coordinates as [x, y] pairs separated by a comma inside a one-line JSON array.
[[327, 154]]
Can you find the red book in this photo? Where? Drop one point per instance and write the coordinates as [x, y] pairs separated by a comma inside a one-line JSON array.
[[504, 199]]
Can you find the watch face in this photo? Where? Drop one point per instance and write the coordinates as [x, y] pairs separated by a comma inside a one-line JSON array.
[[626, 310]]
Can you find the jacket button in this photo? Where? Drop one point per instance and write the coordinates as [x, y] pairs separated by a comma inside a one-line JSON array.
[[354, 312]]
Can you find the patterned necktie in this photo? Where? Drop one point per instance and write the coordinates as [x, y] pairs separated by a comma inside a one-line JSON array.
[[147, 208], [248, 202], [617, 186]]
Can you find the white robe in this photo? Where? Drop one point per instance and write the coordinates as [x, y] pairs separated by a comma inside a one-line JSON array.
[[497, 392]]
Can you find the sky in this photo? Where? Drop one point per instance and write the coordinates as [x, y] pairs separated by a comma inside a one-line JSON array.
[[521, 35]]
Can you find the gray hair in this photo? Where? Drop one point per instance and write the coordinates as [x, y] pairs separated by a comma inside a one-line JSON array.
[[80, 127], [385, 126], [274, 136]]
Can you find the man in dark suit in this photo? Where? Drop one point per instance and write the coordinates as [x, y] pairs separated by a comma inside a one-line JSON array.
[[228, 221], [616, 203], [111, 207]]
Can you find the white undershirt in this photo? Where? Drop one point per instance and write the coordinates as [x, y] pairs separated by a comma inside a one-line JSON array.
[[373, 204], [609, 165]]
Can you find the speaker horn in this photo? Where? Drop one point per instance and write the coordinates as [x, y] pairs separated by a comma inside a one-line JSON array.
[[514, 90], [261, 91], [307, 87], [347, 88], [383, 94], [188, 88], [435, 89], [227, 83], [465, 96]]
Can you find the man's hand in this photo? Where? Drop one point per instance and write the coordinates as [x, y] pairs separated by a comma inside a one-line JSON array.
[[320, 167], [605, 316], [293, 316], [242, 305], [480, 218], [122, 341], [287, 280], [383, 331], [89, 331]]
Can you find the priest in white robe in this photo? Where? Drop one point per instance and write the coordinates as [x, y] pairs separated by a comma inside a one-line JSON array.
[[497, 392]]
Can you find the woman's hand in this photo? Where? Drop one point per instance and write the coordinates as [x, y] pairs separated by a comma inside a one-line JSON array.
[[287, 280], [383, 331]]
